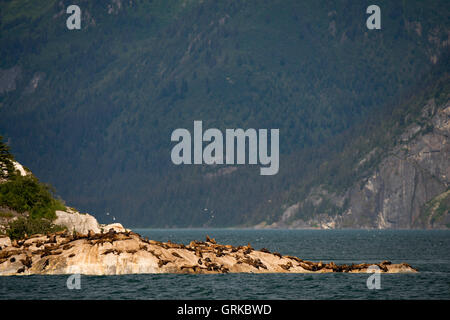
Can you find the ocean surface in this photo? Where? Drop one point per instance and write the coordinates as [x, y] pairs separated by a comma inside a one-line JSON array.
[[427, 251]]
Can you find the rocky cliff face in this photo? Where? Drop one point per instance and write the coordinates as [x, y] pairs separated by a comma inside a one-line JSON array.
[[414, 173], [408, 189]]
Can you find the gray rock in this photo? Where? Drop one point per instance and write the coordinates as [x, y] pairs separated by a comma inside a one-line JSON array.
[[395, 193], [8, 78]]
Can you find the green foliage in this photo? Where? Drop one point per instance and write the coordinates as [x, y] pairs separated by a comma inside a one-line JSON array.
[[27, 194], [6, 161], [436, 209], [443, 208], [17, 229]]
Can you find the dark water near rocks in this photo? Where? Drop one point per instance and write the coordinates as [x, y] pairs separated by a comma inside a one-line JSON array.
[[428, 251]]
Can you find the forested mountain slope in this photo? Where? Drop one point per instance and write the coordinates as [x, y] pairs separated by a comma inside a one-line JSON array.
[[91, 111]]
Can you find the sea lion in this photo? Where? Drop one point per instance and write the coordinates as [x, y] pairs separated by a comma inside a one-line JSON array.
[[198, 253], [173, 245], [10, 253], [212, 266], [176, 255], [192, 244], [163, 263], [39, 244], [26, 262], [298, 259], [45, 264], [383, 267], [52, 239], [208, 239], [286, 266], [253, 262], [225, 269], [157, 255], [114, 251]]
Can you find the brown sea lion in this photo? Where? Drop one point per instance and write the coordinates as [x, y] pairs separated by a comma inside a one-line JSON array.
[[208, 239], [286, 266], [27, 261], [67, 246], [163, 263], [45, 264]]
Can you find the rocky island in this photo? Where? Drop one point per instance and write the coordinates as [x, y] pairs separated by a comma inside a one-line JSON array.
[[126, 252]]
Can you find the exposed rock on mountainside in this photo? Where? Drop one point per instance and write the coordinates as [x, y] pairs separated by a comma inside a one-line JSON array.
[[114, 253], [8, 78], [408, 189]]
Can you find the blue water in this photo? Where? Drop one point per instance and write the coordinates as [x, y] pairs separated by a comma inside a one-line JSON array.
[[428, 251]]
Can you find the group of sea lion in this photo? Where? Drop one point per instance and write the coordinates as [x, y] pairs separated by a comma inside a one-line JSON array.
[[56, 252]]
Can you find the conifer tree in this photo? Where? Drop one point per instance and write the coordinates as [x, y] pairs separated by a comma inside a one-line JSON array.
[[6, 160]]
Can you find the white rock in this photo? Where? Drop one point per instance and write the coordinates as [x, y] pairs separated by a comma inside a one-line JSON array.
[[74, 221], [5, 242], [115, 226], [20, 168]]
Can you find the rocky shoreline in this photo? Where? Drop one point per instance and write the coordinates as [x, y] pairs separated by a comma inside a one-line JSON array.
[[126, 252]]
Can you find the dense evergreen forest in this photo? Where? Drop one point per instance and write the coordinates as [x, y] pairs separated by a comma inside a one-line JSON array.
[[91, 111]]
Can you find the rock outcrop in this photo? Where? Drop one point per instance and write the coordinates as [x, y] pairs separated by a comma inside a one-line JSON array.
[[83, 222], [415, 172], [4, 242], [395, 194], [75, 221], [114, 253]]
